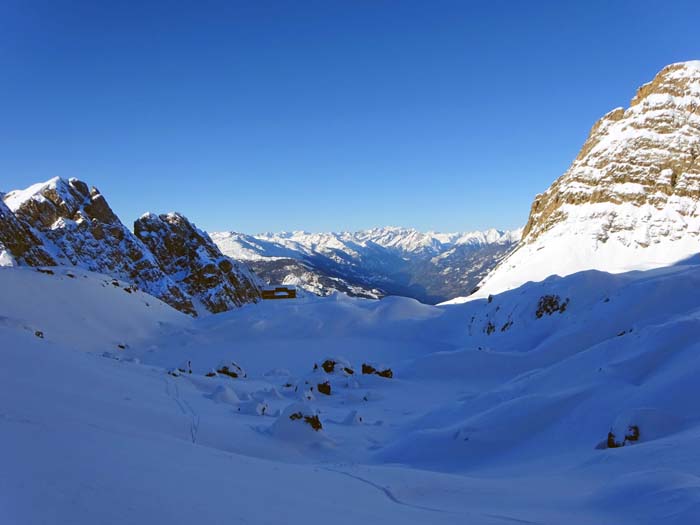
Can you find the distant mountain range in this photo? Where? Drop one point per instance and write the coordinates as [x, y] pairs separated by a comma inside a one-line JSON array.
[[430, 267]]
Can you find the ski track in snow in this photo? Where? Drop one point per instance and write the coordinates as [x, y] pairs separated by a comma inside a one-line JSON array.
[[512, 520], [184, 406], [384, 490]]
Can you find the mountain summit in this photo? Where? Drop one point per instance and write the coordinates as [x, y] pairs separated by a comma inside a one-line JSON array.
[[629, 200]]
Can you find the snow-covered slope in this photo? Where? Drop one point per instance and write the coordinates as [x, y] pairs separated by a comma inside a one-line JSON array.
[[80, 310], [495, 412], [395, 261], [630, 200]]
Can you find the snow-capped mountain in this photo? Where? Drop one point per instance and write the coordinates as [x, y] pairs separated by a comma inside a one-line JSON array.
[[371, 263], [64, 222], [631, 198]]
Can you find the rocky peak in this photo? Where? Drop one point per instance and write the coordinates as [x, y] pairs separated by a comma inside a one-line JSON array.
[[191, 258], [76, 224], [631, 198], [647, 155], [57, 200]]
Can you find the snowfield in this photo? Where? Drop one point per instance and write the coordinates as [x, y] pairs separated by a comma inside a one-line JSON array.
[[119, 409], [639, 248]]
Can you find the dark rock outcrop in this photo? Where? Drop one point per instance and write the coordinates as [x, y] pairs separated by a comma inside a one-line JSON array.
[[191, 258], [18, 242]]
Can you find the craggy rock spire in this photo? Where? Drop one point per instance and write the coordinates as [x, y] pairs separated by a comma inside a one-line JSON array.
[[191, 258]]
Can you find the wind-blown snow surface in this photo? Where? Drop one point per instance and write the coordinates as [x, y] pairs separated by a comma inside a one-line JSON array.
[[492, 416]]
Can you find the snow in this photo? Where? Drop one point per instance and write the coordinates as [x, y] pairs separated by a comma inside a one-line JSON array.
[[81, 310], [6, 258], [475, 426], [642, 238], [14, 199], [404, 240]]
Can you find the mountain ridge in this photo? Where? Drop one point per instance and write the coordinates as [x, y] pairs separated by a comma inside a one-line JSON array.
[[428, 266], [630, 199], [66, 223]]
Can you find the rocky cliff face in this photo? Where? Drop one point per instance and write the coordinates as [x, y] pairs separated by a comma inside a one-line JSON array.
[[190, 257], [64, 222], [646, 155], [630, 198], [18, 244]]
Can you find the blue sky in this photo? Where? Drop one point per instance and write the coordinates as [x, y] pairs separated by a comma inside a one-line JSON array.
[[328, 115]]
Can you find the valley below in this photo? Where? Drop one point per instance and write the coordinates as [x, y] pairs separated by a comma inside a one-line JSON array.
[[430, 267]]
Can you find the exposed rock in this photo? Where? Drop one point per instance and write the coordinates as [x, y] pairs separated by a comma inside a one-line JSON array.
[[611, 442], [368, 369], [230, 369], [324, 388], [336, 366], [548, 304], [189, 256], [328, 365], [631, 437], [18, 244], [632, 433], [313, 421]]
